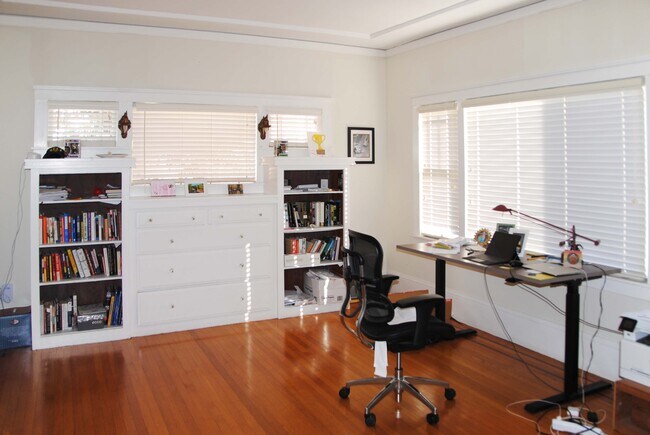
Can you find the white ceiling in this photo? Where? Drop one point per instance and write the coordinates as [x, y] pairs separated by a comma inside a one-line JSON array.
[[377, 24]]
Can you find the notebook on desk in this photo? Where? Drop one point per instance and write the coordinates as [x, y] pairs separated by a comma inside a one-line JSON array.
[[551, 268], [501, 250]]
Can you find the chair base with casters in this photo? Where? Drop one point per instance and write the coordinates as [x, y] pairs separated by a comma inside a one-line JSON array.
[[374, 322], [399, 383]]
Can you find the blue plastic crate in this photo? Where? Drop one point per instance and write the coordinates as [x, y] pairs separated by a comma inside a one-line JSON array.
[[15, 331]]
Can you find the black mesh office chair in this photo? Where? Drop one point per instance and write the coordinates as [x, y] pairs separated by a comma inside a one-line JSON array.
[[362, 268]]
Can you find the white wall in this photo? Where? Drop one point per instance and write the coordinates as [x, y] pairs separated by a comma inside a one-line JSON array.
[[38, 56], [578, 37]]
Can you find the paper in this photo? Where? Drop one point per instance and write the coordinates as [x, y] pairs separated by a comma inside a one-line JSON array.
[[381, 359]]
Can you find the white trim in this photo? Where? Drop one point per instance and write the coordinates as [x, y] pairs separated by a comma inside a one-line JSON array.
[[482, 24], [87, 26]]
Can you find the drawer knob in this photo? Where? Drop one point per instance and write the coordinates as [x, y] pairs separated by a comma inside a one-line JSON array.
[[242, 298], [150, 220], [221, 216], [171, 240], [241, 264], [173, 306], [260, 214], [171, 270], [193, 218], [241, 236]]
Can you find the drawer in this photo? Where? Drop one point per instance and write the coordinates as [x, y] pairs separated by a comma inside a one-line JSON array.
[[250, 213], [205, 237], [157, 218], [201, 267], [161, 307]]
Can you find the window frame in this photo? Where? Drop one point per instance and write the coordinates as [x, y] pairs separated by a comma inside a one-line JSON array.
[[573, 78]]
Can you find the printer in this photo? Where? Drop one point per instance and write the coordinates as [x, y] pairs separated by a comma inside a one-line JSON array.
[[635, 347]]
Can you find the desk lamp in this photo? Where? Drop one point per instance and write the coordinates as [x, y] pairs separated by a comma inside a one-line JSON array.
[[572, 255]]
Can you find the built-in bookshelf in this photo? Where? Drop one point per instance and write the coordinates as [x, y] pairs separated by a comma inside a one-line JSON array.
[[76, 216], [313, 206]]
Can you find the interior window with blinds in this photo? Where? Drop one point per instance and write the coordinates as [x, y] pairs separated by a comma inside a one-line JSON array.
[[439, 172], [570, 156], [205, 142], [93, 123], [294, 127]]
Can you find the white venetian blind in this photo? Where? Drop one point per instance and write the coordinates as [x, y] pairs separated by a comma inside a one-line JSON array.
[[177, 142], [439, 172], [294, 127], [94, 123], [570, 156]]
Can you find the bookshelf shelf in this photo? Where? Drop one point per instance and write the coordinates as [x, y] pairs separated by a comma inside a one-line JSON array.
[[302, 215], [75, 267]]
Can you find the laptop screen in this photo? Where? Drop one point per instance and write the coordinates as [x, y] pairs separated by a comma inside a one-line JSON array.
[[503, 245]]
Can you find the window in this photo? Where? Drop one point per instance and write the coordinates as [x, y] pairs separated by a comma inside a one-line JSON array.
[[570, 156], [94, 123], [294, 127], [182, 141], [439, 192]]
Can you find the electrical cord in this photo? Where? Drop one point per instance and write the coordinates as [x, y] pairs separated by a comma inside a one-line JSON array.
[[507, 334], [19, 217]]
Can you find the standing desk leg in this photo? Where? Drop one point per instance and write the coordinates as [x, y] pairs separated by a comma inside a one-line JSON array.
[[441, 289], [571, 349]]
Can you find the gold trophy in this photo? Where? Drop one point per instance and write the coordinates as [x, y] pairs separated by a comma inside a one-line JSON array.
[[319, 139]]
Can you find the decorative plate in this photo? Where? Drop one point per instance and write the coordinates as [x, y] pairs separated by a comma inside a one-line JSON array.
[[482, 237]]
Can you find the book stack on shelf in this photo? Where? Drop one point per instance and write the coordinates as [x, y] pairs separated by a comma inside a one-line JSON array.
[[300, 251], [312, 214], [67, 315], [113, 192], [86, 262], [87, 226]]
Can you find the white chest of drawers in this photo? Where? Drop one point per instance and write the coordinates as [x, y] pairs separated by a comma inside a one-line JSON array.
[[203, 262]]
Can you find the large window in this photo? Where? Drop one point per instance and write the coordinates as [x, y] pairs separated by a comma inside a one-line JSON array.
[[571, 156], [181, 141]]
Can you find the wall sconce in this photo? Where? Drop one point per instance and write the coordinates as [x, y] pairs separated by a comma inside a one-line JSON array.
[[124, 125], [263, 127]]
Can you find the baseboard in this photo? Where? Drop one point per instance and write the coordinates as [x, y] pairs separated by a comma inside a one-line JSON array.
[[531, 332]]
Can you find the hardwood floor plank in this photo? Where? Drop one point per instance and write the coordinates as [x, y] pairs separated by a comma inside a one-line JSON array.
[[275, 376]]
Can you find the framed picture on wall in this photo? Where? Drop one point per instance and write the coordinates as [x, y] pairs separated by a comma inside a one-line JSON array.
[[196, 188], [361, 144]]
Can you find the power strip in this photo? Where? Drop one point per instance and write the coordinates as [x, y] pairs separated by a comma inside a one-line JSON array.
[[571, 427]]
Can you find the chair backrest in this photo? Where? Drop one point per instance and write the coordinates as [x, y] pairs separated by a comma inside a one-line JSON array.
[[363, 273], [373, 256]]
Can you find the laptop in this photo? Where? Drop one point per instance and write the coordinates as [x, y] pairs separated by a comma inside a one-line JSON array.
[[551, 268], [501, 250]]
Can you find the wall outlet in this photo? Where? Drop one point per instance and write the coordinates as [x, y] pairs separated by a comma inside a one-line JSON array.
[[7, 293]]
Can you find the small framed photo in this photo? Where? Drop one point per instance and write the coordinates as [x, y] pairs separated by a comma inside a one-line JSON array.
[[361, 144], [236, 189], [73, 148], [521, 246], [163, 188], [505, 228], [196, 188]]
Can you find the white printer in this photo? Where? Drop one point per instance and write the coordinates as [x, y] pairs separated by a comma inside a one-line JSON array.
[[635, 347]]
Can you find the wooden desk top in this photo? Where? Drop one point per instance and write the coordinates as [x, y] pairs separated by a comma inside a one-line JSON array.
[[505, 271]]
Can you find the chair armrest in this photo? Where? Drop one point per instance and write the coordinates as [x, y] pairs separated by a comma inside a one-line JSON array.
[[413, 301]]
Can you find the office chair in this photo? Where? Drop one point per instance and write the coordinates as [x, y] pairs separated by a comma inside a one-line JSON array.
[[362, 269]]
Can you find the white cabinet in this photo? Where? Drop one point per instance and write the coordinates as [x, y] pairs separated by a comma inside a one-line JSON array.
[[314, 214], [77, 254], [204, 261]]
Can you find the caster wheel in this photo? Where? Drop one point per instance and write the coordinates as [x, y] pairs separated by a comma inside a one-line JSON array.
[[433, 419], [450, 393], [344, 392], [370, 419]]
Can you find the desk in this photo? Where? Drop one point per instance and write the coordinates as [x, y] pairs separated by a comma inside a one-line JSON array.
[[571, 391]]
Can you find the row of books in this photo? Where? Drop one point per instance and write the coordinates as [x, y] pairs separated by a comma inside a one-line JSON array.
[[81, 263], [312, 213], [84, 227], [327, 247], [65, 315]]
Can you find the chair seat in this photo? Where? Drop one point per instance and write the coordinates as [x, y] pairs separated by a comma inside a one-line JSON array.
[[399, 337]]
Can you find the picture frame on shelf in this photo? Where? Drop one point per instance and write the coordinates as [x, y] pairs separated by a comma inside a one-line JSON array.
[[504, 228], [236, 189], [361, 144], [195, 188], [163, 188]]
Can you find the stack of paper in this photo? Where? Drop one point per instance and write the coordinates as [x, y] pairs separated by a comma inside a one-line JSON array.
[[52, 193], [113, 191]]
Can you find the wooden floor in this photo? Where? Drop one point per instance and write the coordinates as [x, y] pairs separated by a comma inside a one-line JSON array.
[[276, 376]]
